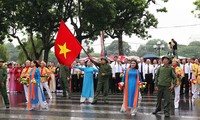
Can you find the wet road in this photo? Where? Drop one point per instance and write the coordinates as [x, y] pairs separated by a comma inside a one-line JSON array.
[[61, 108]]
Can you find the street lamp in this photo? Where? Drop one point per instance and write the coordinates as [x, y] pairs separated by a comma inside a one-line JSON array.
[[159, 46]]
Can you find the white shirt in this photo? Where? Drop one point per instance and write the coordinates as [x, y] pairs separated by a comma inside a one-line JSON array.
[[116, 68], [151, 70], [125, 66], [156, 68], [74, 71], [141, 67], [187, 69], [190, 67]]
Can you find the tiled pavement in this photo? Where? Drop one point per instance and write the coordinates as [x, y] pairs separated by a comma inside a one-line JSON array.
[[61, 108]]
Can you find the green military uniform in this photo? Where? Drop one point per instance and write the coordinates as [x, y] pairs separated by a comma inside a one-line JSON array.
[[103, 81], [64, 73], [165, 77], [3, 78]]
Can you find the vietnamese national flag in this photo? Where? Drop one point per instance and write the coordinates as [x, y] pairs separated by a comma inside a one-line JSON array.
[[67, 47]]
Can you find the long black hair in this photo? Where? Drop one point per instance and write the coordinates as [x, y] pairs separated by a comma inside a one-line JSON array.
[[36, 63]]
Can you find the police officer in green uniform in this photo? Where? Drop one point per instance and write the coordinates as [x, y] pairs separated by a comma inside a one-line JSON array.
[[165, 81], [103, 80], [3, 78], [64, 78]]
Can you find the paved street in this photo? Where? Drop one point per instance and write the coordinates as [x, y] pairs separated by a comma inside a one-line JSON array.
[[64, 109]]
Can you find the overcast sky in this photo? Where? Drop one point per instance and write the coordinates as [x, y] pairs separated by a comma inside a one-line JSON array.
[[179, 14]]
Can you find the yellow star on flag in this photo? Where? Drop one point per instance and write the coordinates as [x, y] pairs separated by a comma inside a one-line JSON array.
[[64, 50]]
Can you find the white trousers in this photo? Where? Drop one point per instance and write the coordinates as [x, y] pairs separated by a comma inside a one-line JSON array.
[[193, 85], [41, 103], [7, 83], [52, 83], [193, 88], [83, 99], [132, 109], [196, 91], [177, 96], [26, 92], [46, 86]]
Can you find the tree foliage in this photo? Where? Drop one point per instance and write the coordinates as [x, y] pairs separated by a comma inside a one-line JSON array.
[[38, 18], [192, 50], [132, 17], [148, 48], [117, 17], [12, 52], [4, 53], [197, 9], [52, 57], [28, 46], [112, 49]]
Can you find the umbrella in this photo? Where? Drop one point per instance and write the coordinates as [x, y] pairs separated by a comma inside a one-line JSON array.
[[179, 57], [150, 56], [87, 58], [121, 57], [133, 57]]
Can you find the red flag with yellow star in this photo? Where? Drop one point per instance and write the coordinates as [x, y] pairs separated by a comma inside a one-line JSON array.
[[67, 47]]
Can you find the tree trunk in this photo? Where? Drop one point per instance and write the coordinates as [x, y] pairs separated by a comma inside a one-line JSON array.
[[46, 55], [120, 43], [80, 41]]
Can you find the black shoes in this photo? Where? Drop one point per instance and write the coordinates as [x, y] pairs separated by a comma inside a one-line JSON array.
[[94, 102], [167, 116], [154, 113], [106, 102], [69, 97], [7, 106]]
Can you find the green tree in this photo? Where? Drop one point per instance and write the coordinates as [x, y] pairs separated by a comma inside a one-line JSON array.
[[28, 46], [89, 17], [112, 49], [131, 17], [12, 52], [149, 49], [38, 18], [192, 50], [197, 9], [52, 57], [3, 53]]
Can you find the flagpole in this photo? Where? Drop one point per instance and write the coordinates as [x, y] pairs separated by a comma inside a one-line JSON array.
[[89, 57], [85, 52]]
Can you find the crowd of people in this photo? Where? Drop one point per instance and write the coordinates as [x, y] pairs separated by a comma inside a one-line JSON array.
[[90, 78]]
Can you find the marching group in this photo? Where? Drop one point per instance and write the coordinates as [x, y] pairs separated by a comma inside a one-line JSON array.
[[164, 75]]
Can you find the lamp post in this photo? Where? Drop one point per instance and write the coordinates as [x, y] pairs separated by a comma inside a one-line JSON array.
[[159, 46]]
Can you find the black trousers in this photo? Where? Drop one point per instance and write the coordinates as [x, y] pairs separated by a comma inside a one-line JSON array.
[[117, 80], [80, 82], [141, 75], [150, 83], [95, 81], [111, 84], [74, 83], [58, 83], [185, 82]]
